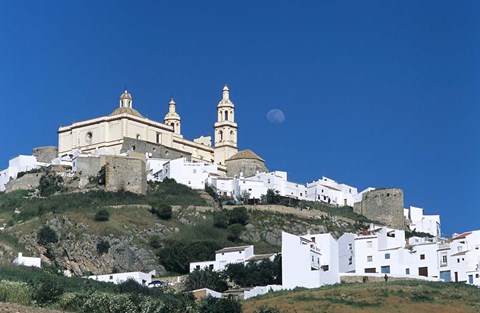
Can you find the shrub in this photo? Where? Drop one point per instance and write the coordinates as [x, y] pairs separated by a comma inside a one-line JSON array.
[[162, 211], [267, 309], [220, 220], [103, 246], [235, 231], [49, 184], [206, 278], [16, 292], [238, 215], [216, 305], [46, 235], [102, 215], [46, 291], [155, 241]]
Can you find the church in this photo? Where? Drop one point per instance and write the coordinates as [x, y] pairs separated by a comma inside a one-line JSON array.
[[127, 131]]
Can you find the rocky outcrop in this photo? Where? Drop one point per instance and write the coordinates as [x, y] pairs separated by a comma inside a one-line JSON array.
[[77, 253]]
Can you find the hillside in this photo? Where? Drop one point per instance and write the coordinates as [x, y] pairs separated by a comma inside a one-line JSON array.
[[395, 296], [135, 239]]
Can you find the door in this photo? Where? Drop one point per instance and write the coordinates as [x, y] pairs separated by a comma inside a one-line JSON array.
[[423, 271], [456, 277], [445, 275]]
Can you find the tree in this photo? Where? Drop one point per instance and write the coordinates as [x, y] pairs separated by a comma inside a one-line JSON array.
[[102, 215], [238, 215], [46, 235], [256, 273], [273, 196], [220, 220], [162, 211], [46, 290], [206, 278], [103, 246], [235, 231], [49, 184], [155, 241]]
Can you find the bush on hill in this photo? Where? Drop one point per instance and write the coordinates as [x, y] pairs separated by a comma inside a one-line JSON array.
[[206, 278], [102, 215], [162, 211], [46, 235]]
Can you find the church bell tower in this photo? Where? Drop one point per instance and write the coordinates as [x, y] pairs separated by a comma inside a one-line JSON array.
[[172, 118], [225, 129]]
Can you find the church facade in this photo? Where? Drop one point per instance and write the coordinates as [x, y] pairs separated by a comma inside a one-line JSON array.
[[125, 129]]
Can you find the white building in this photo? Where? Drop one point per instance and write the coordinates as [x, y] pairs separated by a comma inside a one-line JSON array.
[[27, 261], [193, 174], [230, 255], [118, 278], [329, 191], [278, 181], [459, 261], [21, 163], [384, 251], [309, 261], [419, 222]]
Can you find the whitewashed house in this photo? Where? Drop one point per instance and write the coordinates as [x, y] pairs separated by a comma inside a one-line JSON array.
[[383, 251], [229, 255], [118, 278], [278, 181], [419, 222], [309, 261], [192, 174], [27, 261], [460, 260], [329, 191], [21, 163]]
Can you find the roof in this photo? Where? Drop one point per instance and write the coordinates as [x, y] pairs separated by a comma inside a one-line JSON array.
[[462, 236], [125, 95], [232, 249], [260, 257], [245, 154], [122, 110]]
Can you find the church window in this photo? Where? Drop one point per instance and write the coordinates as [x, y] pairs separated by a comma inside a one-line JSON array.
[[226, 116], [133, 148], [221, 135], [89, 136], [138, 136], [159, 138]]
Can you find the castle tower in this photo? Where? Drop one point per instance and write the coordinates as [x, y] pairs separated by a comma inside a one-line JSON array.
[[172, 118], [126, 100], [225, 129]]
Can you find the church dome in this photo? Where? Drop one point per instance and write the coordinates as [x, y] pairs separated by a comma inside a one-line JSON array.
[[126, 95]]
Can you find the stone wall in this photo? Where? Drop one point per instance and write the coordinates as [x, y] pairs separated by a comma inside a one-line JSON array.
[[383, 205], [156, 150], [26, 182], [88, 165], [45, 154], [248, 167], [126, 174]]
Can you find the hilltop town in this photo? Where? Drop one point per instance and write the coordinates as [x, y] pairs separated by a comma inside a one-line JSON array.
[[125, 151]]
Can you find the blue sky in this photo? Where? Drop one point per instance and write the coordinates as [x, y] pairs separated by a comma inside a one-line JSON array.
[[375, 93]]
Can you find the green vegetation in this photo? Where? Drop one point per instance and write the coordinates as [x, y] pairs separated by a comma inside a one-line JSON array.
[[206, 278], [214, 305], [49, 184], [256, 273], [177, 255], [46, 235], [102, 215], [162, 211], [103, 246], [33, 286]]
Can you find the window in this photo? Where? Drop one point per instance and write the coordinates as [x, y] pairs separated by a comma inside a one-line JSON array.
[[194, 171], [407, 271], [444, 260], [369, 244], [422, 256], [111, 277], [349, 246], [350, 260], [387, 256], [197, 267], [369, 258], [385, 269]]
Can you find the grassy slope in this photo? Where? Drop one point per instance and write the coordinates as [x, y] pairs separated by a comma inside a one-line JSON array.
[[397, 296]]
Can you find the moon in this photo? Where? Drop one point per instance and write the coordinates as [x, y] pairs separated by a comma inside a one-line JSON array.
[[275, 116]]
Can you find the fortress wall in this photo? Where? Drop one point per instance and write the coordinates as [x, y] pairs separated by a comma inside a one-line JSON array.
[[157, 150], [383, 205], [45, 154], [126, 174]]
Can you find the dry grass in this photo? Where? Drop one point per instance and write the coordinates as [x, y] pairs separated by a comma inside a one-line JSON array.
[[405, 297]]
